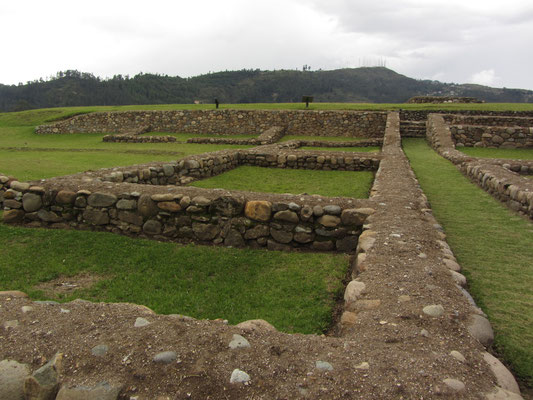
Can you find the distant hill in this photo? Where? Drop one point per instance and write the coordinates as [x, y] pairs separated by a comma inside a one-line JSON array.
[[372, 85]]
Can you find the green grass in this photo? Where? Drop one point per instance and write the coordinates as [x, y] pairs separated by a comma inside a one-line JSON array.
[[523, 154], [494, 247], [321, 138], [294, 291], [277, 180], [368, 149], [34, 165], [21, 136], [45, 156]]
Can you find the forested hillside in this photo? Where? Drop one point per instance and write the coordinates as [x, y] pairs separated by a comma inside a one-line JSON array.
[[372, 85]]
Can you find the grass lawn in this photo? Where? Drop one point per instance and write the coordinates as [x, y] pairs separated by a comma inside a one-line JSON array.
[[23, 136], [39, 163], [25, 155], [296, 292], [517, 154], [34, 165], [278, 180], [367, 149], [494, 247]]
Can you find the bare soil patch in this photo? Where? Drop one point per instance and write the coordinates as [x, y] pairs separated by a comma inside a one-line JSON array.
[[66, 285]]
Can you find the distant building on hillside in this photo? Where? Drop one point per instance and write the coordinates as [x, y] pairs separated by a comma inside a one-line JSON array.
[[442, 99]]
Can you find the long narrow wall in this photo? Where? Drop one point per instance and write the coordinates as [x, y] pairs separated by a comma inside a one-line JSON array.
[[406, 281], [226, 122], [498, 177]]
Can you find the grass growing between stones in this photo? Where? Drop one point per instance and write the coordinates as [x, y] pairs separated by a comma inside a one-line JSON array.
[[517, 154], [296, 181], [368, 149], [492, 244], [296, 292]]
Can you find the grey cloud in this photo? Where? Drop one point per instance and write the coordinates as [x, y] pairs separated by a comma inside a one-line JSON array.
[[420, 22]]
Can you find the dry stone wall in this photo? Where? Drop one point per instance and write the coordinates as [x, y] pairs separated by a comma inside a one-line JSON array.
[[227, 122], [503, 184], [301, 159], [204, 216], [412, 122], [422, 115], [271, 135], [138, 139], [149, 201], [358, 143], [498, 177], [5, 185], [492, 136], [210, 164], [488, 120]]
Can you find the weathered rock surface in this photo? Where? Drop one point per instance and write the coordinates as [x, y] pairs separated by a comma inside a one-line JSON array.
[[12, 377]]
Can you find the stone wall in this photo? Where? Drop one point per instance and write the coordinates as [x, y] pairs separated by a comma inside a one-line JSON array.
[[5, 186], [359, 143], [488, 120], [138, 139], [205, 165], [422, 115], [492, 136], [494, 131], [269, 136], [440, 138], [182, 214], [198, 166], [226, 122], [148, 201], [516, 192], [301, 159], [498, 177]]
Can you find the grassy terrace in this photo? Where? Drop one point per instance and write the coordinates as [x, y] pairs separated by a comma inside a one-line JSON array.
[[28, 156], [294, 292], [522, 154], [492, 244], [272, 180], [41, 164]]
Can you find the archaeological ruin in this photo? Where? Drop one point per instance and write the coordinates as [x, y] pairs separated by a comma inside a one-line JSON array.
[[405, 320]]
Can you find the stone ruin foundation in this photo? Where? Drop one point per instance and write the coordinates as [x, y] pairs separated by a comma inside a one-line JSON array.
[[407, 328], [502, 178]]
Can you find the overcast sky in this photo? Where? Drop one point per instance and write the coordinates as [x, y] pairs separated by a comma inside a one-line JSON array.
[[462, 41]]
